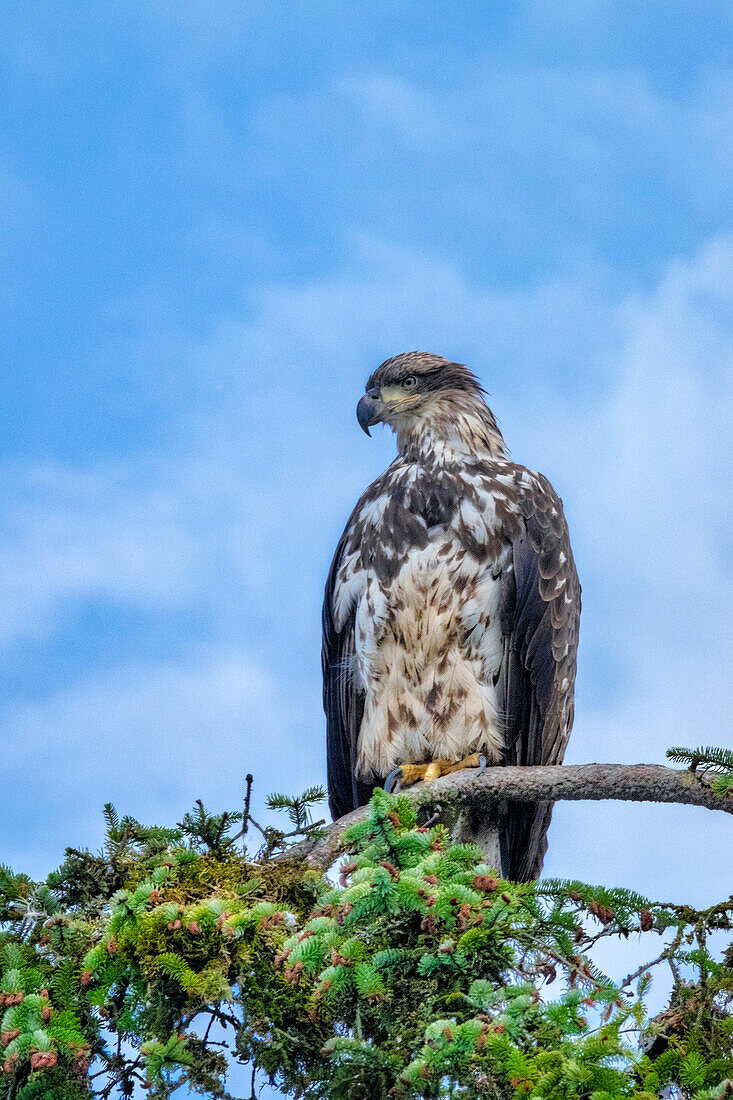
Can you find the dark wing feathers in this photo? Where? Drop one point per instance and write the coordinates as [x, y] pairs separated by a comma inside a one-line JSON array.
[[540, 629], [343, 703]]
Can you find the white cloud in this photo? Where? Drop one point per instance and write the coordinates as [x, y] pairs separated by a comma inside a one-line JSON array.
[[507, 149], [652, 506], [418, 118], [151, 739], [650, 500], [96, 534]]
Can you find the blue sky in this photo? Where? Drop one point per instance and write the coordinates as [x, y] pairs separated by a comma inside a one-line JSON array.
[[215, 220]]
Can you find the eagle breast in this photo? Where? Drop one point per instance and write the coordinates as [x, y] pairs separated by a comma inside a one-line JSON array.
[[420, 574]]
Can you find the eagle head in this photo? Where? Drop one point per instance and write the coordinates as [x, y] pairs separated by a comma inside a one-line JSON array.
[[407, 387], [430, 402]]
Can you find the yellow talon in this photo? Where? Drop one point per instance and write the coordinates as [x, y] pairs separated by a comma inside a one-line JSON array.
[[412, 773], [426, 773], [434, 770], [472, 761]]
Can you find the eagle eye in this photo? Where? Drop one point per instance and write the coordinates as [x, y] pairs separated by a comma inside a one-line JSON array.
[[410, 382]]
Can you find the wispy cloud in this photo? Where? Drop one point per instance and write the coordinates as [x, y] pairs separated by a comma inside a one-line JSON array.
[[538, 160], [646, 480], [98, 534], [151, 739]]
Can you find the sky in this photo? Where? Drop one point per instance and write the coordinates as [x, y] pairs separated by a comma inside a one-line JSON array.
[[215, 220]]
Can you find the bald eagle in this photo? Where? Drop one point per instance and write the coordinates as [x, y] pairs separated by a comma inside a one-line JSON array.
[[450, 620]]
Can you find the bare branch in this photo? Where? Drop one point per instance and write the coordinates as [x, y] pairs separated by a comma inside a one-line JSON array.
[[465, 790]]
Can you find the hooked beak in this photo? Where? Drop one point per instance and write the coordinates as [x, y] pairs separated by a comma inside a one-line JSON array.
[[369, 410]]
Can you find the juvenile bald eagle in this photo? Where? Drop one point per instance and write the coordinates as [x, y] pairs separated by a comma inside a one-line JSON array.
[[450, 620]]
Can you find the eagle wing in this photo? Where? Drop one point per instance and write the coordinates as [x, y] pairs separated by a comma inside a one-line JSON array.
[[540, 614], [343, 701]]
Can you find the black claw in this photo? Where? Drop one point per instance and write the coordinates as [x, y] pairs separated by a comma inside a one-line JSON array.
[[392, 782], [481, 765]]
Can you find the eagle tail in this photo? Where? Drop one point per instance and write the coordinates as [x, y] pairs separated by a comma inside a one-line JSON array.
[[523, 839]]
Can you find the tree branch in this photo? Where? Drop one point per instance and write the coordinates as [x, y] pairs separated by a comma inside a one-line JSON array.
[[546, 783]]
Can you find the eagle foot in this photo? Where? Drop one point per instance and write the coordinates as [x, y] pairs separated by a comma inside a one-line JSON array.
[[406, 775]]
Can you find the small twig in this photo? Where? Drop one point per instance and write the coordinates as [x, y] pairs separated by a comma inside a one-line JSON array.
[[249, 779], [256, 825], [643, 969], [208, 1028], [432, 819]]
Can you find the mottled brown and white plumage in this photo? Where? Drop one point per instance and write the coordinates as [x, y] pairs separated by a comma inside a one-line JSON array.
[[450, 620]]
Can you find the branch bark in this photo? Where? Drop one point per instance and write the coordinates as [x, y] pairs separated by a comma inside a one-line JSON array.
[[466, 790]]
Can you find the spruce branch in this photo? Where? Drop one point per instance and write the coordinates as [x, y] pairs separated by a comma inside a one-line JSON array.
[[468, 791], [709, 757], [420, 975]]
